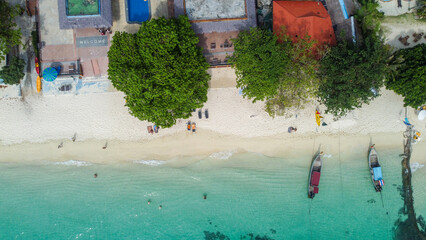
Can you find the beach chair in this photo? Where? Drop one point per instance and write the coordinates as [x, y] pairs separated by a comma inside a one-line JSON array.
[[194, 127]]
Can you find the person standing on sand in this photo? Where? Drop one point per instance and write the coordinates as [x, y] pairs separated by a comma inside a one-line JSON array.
[[74, 137], [61, 145]]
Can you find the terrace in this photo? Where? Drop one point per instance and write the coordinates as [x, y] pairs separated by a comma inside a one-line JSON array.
[[216, 22]]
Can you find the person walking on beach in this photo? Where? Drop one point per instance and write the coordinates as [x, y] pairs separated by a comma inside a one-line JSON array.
[[106, 145], [74, 137], [61, 145], [292, 130]]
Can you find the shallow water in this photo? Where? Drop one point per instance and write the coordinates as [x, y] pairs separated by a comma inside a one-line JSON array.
[[248, 195]]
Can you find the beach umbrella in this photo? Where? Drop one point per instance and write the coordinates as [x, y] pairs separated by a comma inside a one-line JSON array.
[[422, 115], [50, 74]]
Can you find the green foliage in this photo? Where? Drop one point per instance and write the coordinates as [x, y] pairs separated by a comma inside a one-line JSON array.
[[421, 9], [280, 72], [160, 69], [349, 72], [259, 63], [10, 35], [299, 82], [369, 18], [409, 75], [14, 72], [35, 41]]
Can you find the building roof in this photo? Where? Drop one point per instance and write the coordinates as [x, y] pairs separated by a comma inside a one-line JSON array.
[[220, 24], [103, 20], [303, 18]]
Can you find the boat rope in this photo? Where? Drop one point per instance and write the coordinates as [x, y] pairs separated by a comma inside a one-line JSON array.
[[340, 168], [310, 220]]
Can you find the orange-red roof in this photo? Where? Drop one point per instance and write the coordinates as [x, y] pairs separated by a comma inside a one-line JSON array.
[[303, 18]]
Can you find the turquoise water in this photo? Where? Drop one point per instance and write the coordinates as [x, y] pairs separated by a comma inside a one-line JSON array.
[[248, 195]]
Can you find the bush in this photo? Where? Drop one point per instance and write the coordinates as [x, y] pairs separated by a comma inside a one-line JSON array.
[[13, 73]]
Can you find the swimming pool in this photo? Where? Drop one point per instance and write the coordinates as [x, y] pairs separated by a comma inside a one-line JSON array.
[[82, 7], [138, 11]]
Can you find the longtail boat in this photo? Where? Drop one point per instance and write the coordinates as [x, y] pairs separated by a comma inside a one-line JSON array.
[[314, 176], [375, 169]]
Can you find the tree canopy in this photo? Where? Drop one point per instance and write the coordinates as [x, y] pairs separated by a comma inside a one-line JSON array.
[[160, 69], [10, 35], [275, 69], [14, 72], [259, 63], [409, 76], [352, 75], [299, 83]]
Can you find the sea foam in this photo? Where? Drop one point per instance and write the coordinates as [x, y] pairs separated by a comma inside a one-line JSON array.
[[415, 166], [224, 155], [150, 162], [73, 163]]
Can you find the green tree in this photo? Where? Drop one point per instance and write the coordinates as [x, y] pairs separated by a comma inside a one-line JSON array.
[[369, 18], [14, 72], [351, 74], [274, 69], [160, 69], [299, 82], [409, 76], [259, 63], [10, 35]]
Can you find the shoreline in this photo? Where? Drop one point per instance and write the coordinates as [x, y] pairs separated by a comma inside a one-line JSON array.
[[202, 145]]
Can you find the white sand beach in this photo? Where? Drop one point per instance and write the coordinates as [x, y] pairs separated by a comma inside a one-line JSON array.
[[234, 124]]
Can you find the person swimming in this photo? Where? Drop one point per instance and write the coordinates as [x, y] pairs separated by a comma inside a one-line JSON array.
[[149, 201], [205, 196], [160, 207], [95, 175]]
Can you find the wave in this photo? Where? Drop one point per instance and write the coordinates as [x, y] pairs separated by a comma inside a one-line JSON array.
[[73, 163], [195, 178], [415, 166], [150, 162], [224, 155], [153, 194]]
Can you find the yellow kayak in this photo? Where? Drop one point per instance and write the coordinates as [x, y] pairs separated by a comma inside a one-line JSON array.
[[38, 84]]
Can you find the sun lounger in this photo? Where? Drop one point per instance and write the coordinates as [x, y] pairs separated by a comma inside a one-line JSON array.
[[194, 128], [206, 113], [149, 128]]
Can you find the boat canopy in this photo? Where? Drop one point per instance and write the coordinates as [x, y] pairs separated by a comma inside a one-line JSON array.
[[315, 178], [377, 173]]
